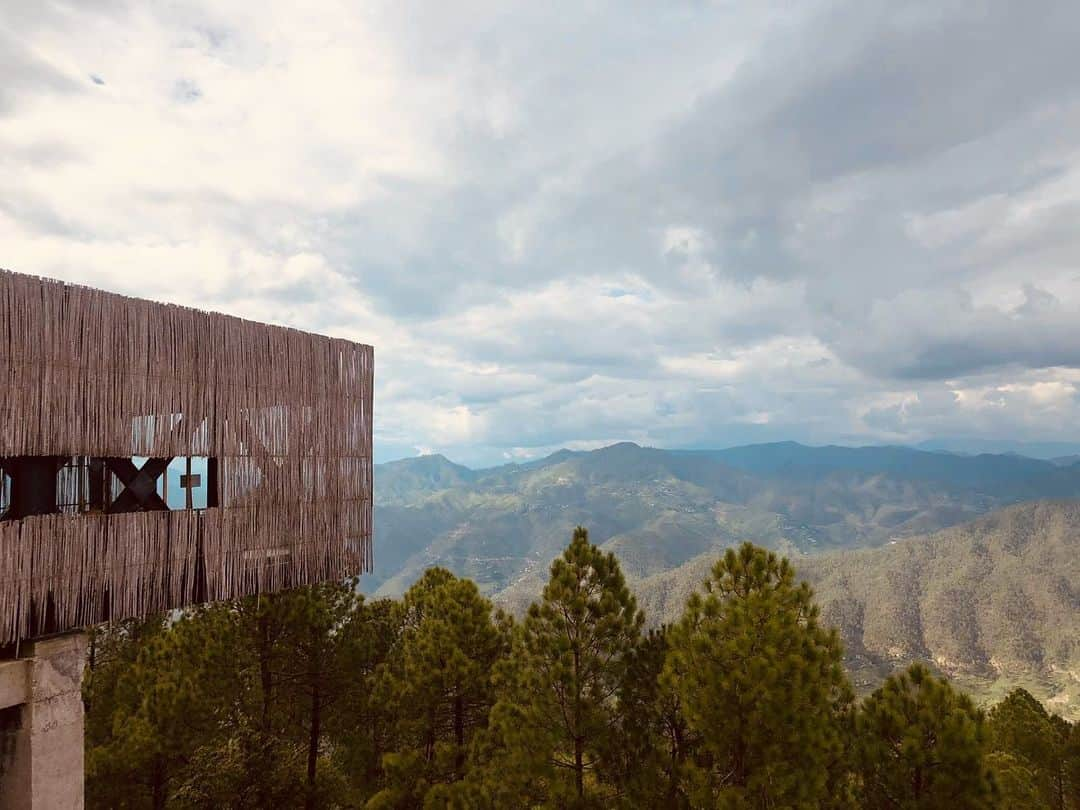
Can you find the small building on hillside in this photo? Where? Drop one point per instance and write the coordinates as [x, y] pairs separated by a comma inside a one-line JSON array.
[[154, 456]]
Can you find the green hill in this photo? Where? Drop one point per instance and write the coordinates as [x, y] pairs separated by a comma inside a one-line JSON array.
[[994, 603]]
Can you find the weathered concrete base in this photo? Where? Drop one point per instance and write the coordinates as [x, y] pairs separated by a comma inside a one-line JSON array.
[[41, 725]]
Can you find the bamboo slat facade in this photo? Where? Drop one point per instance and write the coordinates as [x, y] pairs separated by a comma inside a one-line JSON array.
[[286, 416]]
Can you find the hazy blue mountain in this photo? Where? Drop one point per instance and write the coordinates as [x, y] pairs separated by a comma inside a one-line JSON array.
[[1005, 475], [974, 447]]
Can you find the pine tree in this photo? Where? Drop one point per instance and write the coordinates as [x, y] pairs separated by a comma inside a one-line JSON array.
[[1072, 767], [260, 703], [317, 677], [171, 694], [439, 683], [763, 684], [651, 747], [1028, 742], [921, 745], [362, 726], [110, 692], [561, 685]]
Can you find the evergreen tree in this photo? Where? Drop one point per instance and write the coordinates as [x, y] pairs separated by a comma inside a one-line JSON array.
[[921, 745], [317, 698], [317, 677], [1072, 767], [170, 692], [762, 683], [362, 727], [230, 706], [1029, 751], [561, 685], [110, 693], [256, 760], [439, 682], [651, 747]]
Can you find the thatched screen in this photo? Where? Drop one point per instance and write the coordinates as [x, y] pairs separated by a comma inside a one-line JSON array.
[[287, 416]]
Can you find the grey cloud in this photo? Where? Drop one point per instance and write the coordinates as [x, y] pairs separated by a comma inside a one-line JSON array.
[[42, 154], [40, 216], [861, 91], [943, 335], [186, 91], [24, 74], [807, 165]]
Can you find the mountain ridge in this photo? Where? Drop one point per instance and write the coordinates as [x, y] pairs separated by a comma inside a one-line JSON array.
[[662, 507]]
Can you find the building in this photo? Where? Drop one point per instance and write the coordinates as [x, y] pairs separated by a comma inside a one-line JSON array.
[[151, 457]]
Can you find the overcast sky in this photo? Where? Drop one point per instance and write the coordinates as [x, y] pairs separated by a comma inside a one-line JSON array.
[[679, 223]]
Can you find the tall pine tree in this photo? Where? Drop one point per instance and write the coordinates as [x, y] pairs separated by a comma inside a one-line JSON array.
[[561, 685], [439, 683], [651, 750], [1028, 749], [921, 745], [763, 684]]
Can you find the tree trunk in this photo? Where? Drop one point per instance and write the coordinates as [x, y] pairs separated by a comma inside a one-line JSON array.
[[579, 766], [265, 676], [313, 737], [158, 793], [430, 737], [266, 681], [91, 662], [676, 760], [579, 741], [740, 776], [459, 735]]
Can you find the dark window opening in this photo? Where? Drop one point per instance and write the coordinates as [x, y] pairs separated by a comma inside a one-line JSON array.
[[5, 493], [10, 724], [44, 485]]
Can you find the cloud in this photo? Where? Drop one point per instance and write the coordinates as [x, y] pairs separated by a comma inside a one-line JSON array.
[[683, 224], [26, 74]]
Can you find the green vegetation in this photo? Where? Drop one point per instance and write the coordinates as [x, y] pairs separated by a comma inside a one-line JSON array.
[[319, 698], [991, 604]]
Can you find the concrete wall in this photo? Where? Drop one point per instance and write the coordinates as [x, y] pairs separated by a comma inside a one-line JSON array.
[[41, 707]]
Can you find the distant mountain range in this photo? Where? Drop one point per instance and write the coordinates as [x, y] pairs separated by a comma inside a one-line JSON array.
[[657, 509], [973, 447], [894, 539]]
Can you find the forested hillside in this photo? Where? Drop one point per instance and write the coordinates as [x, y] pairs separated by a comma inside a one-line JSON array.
[[994, 603], [659, 509], [317, 698]]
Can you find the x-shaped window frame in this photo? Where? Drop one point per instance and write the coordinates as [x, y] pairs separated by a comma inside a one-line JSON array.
[[140, 484]]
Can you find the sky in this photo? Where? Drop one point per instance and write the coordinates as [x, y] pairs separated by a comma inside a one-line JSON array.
[[686, 224]]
